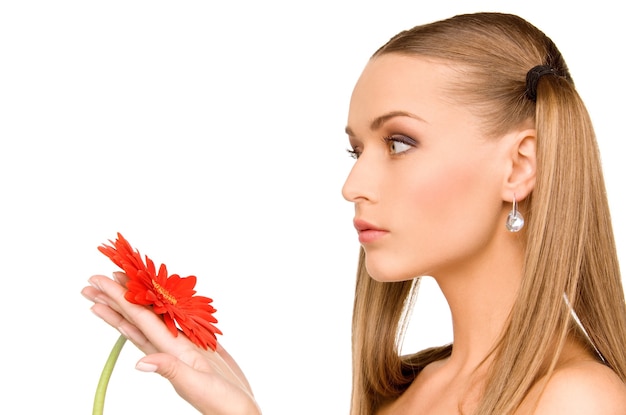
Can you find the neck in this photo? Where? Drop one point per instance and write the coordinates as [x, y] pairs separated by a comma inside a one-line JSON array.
[[480, 295]]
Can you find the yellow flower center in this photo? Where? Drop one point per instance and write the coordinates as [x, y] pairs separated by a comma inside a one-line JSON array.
[[164, 293]]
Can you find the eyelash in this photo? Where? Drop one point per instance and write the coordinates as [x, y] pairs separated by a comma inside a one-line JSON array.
[[389, 140], [354, 153]]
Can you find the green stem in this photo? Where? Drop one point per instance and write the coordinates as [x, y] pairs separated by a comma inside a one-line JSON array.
[[101, 390]]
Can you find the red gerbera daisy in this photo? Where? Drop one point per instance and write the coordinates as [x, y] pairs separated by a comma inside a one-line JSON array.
[[172, 297]]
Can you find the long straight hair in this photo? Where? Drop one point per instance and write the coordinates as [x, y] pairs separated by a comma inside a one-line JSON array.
[[570, 246]]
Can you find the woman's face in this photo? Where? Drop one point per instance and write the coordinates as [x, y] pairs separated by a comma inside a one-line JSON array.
[[426, 184]]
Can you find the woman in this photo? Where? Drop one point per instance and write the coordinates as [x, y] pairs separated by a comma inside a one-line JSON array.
[[476, 164]]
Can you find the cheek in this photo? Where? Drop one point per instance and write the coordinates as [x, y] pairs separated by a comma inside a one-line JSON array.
[[451, 200], [438, 214], [439, 193]]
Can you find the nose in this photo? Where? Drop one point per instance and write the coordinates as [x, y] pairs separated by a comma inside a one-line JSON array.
[[361, 181]]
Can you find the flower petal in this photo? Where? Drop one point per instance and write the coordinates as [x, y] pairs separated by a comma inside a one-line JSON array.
[[172, 297]]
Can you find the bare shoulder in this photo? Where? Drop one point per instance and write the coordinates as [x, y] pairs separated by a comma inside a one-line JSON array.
[[586, 387]]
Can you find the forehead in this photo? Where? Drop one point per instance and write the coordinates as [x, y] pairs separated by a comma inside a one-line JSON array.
[[394, 82]]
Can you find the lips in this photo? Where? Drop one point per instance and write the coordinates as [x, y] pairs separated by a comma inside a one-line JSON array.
[[368, 233]]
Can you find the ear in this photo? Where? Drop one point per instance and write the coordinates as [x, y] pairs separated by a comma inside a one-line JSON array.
[[521, 175]]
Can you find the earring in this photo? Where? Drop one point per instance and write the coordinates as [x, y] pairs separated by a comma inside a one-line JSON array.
[[515, 220]]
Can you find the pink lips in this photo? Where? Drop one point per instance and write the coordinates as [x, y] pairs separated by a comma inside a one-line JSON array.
[[367, 232]]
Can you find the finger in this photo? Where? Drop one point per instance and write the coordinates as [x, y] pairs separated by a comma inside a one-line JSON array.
[[125, 328], [114, 293], [94, 295], [143, 318], [120, 277]]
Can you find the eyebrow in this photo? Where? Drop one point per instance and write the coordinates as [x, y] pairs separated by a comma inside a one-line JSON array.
[[379, 121]]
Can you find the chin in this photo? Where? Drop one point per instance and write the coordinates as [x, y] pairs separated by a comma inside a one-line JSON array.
[[387, 274]]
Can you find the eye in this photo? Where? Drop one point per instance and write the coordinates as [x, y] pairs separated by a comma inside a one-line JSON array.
[[400, 143]]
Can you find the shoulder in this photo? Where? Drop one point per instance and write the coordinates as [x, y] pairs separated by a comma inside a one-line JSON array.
[[586, 387]]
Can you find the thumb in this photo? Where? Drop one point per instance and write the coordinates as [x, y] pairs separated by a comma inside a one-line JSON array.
[[180, 375], [161, 363], [207, 392], [168, 366]]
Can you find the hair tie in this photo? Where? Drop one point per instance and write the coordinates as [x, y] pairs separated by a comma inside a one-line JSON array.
[[532, 78]]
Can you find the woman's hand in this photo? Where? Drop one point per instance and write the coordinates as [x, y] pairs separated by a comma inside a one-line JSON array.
[[209, 380]]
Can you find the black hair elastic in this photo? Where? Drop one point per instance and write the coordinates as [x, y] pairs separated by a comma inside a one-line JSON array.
[[532, 78]]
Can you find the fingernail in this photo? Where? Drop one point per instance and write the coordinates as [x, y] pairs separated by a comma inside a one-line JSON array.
[[123, 332], [116, 276], [145, 367], [94, 284], [93, 310], [99, 299]]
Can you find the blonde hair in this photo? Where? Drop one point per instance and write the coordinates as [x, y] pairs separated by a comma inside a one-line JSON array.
[[570, 246]]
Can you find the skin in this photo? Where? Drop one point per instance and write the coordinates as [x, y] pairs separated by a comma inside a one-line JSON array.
[[440, 192], [211, 381]]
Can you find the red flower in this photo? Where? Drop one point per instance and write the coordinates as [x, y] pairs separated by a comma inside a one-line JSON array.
[[172, 297]]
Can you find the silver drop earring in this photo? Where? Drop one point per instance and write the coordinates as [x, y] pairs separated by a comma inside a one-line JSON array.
[[515, 220]]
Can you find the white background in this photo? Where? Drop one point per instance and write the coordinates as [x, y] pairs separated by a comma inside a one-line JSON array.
[[210, 134]]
